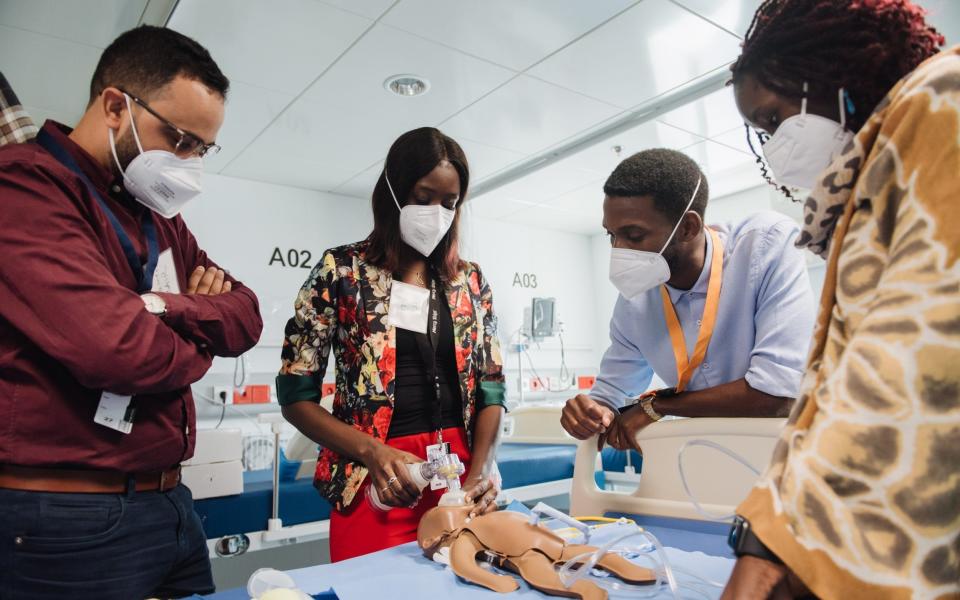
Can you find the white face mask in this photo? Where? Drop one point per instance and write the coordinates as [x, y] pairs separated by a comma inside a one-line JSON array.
[[634, 272], [804, 145], [160, 180], [422, 227]]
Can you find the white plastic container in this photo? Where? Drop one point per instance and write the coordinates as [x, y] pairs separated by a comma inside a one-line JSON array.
[[270, 584]]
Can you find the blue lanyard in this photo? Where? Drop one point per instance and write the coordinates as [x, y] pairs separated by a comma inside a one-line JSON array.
[[142, 272]]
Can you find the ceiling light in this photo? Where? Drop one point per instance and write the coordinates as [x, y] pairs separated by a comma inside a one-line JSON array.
[[407, 85]]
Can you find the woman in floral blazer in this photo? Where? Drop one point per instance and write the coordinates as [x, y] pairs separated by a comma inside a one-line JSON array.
[[378, 424]]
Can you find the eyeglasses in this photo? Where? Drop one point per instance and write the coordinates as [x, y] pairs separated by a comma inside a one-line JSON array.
[[187, 143], [762, 137]]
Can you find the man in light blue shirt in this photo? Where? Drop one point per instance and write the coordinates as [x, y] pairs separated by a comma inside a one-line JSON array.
[[763, 318]]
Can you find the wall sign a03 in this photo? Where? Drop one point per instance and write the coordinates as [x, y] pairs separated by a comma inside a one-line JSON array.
[[525, 280]]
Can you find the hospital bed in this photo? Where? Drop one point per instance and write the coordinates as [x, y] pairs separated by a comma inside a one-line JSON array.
[[276, 507], [660, 504], [535, 424], [672, 449], [536, 455]]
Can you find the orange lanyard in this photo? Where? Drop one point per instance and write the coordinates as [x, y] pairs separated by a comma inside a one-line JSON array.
[[685, 367]]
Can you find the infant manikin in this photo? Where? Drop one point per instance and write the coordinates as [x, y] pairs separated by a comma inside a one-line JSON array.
[[510, 542]]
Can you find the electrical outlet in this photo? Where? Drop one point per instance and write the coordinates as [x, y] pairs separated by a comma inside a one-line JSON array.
[[252, 394], [223, 393]]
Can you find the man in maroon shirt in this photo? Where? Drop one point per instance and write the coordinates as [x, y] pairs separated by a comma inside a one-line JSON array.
[[109, 310]]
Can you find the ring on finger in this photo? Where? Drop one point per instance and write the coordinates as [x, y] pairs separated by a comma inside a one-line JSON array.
[[392, 481]]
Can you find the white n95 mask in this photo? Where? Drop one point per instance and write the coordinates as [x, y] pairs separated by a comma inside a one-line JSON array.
[[804, 145], [422, 227], [160, 180], [634, 272]]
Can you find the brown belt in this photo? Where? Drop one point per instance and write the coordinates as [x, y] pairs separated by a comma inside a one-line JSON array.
[[71, 481]]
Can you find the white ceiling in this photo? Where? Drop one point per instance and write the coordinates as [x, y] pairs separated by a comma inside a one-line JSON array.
[[510, 79]]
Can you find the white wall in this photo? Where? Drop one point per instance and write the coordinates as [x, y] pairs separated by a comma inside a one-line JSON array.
[[606, 294], [562, 266], [240, 223]]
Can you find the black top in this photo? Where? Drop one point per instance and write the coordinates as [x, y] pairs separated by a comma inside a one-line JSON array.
[[414, 396]]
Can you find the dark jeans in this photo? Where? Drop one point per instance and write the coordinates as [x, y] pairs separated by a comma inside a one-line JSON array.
[[104, 546]]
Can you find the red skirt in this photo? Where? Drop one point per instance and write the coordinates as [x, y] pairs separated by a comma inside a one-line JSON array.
[[361, 529]]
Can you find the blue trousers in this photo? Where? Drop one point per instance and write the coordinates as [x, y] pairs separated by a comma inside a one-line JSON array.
[[104, 546]]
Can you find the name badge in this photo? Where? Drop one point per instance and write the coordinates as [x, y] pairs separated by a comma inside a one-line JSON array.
[[409, 307], [115, 412]]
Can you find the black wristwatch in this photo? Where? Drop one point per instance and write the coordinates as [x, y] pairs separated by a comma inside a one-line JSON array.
[[745, 543]]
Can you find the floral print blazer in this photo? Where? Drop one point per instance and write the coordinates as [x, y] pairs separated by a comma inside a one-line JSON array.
[[343, 306]]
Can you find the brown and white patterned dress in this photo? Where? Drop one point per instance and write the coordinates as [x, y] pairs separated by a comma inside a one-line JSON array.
[[862, 499]]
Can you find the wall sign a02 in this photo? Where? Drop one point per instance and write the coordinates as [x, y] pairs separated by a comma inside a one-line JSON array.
[[297, 259]]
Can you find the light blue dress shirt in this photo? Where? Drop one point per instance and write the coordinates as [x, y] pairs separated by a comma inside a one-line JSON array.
[[763, 328]]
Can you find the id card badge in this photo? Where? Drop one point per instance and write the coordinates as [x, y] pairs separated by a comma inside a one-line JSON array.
[[115, 412], [409, 307], [165, 276], [434, 453]]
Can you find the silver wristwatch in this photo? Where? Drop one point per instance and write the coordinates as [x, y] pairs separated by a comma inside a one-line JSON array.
[[155, 304]]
